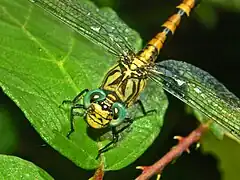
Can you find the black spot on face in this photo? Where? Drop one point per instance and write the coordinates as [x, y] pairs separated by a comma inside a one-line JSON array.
[[104, 106]]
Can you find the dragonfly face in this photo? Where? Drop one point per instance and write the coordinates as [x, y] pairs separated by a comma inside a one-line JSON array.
[[101, 111]]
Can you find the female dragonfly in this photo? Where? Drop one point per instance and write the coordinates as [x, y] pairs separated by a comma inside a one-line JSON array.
[[106, 106]]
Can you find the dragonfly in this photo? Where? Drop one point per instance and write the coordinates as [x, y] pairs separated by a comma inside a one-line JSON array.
[[107, 106]]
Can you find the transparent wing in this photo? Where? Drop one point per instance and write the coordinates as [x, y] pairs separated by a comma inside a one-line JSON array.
[[102, 27], [200, 90]]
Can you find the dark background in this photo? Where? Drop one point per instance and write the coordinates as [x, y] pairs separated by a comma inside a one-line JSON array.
[[212, 45]]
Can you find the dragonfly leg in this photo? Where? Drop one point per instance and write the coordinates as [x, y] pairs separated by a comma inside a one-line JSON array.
[[115, 137], [76, 99], [79, 96], [72, 114], [139, 103], [129, 121], [74, 105], [115, 134]]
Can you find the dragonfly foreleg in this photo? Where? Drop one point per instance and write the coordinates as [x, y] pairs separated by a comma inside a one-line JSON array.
[[74, 106], [79, 96], [72, 114]]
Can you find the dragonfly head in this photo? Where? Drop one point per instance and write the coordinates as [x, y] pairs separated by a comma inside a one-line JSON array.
[[101, 112]]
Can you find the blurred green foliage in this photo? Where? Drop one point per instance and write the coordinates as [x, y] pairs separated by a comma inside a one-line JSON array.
[[226, 152], [8, 130]]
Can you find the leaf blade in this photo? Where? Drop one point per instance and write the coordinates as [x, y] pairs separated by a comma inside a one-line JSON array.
[[17, 168], [44, 63]]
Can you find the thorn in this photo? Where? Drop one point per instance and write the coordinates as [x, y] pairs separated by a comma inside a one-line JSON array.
[[143, 168], [181, 139], [140, 167], [158, 176], [198, 145]]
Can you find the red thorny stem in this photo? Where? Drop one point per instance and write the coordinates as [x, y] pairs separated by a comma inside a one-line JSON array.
[[183, 145]]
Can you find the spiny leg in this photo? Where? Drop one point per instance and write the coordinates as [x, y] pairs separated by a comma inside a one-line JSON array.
[[76, 99], [74, 105], [145, 113], [128, 122], [115, 134], [72, 114], [115, 137], [79, 96]]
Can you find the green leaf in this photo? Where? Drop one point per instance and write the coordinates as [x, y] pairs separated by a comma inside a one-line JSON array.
[[12, 168], [43, 62]]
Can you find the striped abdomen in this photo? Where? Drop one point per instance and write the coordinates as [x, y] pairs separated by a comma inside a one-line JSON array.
[[152, 49]]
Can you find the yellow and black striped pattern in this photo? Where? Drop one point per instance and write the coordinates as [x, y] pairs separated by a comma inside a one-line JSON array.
[[127, 79], [152, 49]]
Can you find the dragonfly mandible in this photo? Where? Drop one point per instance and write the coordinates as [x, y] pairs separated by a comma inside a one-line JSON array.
[[107, 106]]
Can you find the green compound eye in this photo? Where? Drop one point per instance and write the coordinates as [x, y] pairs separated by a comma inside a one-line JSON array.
[[119, 114], [93, 96]]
